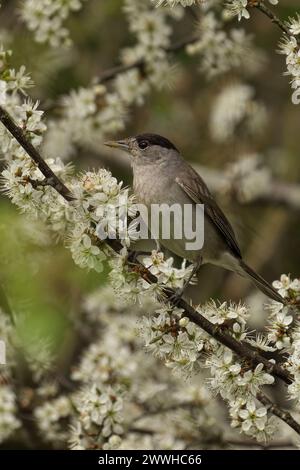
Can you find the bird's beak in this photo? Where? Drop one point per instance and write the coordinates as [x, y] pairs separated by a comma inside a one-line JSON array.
[[119, 144]]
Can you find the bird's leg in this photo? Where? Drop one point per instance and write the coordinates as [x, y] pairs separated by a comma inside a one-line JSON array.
[[179, 292]]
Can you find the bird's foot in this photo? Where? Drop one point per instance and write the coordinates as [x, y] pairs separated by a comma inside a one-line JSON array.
[[176, 296], [132, 257]]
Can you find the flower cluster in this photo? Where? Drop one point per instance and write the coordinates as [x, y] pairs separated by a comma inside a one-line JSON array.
[[281, 320], [100, 408], [9, 423], [225, 313], [252, 419], [128, 284], [174, 339], [22, 180], [293, 365], [46, 19], [183, 348], [90, 114], [239, 8], [7, 334], [289, 46], [51, 415], [101, 210], [11, 81], [99, 197], [165, 272], [235, 108], [247, 179], [232, 380], [283, 329], [220, 51], [99, 367]]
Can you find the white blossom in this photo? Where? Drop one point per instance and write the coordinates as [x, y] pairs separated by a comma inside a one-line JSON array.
[[102, 408], [9, 422], [236, 107], [178, 343], [294, 25], [50, 416], [239, 8], [46, 19], [279, 329], [290, 48], [252, 419], [219, 51], [248, 178], [287, 287], [231, 381], [166, 274], [225, 312]]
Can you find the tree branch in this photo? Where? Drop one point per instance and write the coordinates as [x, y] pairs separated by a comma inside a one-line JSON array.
[[110, 74], [275, 410], [240, 348], [19, 135], [260, 5]]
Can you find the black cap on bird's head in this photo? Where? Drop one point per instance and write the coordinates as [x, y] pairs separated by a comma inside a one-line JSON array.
[[154, 139], [142, 142]]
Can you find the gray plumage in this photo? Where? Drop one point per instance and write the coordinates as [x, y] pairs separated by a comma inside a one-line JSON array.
[[161, 175]]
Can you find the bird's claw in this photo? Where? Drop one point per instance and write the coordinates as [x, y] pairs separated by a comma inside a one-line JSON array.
[[176, 296], [132, 257]]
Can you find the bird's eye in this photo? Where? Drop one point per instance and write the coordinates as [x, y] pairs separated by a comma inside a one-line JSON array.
[[143, 144]]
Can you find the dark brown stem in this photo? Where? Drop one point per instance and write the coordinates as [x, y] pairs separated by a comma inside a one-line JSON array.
[[19, 135], [240, 348], [110, 74], [260, 5], [275, 410]]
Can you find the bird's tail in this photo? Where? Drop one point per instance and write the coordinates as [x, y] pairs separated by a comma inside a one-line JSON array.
[[261, 283]]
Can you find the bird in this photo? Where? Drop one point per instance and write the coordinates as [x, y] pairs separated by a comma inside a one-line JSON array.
[[161, 175]]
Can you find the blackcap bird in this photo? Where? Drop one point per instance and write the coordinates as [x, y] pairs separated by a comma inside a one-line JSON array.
[[161, 175]]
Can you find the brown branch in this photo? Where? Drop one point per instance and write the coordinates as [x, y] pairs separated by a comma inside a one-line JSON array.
[[240, 348], [252, 443], [19, 135], [260, 5], [275, 410], [140, 64]]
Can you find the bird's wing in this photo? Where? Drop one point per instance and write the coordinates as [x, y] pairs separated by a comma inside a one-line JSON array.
[[197, 190]]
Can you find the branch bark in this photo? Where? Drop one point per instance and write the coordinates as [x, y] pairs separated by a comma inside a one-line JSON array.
[[110, 74], [275, 410], [50, 177]]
